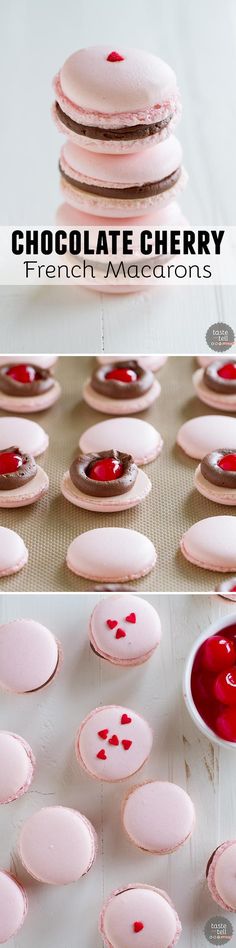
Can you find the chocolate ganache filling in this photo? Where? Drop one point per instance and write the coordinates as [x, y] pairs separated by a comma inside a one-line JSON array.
[[16, 468], [126, 133], [122, 380], [149, 189], [219, 467], [105, 474], [24, 380], [221, 377]]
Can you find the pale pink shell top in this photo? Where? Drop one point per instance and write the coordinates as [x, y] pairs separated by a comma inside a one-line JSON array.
[[158, 816], [144, 166], [113, 742], [28, 655], [139, 82], [144, 905], [57, 845], [13, 906], [17, 766], [125, 627]]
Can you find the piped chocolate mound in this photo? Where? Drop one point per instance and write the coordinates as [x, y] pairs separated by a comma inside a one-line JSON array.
[[219, 467], [122, 380], [16, 469], [221, 377], [106, 474], [24, 380]]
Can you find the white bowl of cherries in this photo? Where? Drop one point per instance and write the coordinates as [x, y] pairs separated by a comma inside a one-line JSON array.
[[210, 682]]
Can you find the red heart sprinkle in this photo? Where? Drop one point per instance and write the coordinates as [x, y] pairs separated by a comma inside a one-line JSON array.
[[138, 927], [120, 634], [125, 719], [102, 755], [114, 740], [131, 617], [126, 745], [112, 623], [114, 57], [103, 734]]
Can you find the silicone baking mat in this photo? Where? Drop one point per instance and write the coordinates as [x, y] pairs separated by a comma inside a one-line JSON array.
[[48, 526]]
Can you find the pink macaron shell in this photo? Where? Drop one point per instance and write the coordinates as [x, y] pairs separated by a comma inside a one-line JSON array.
[[57, 845], [111, 554], [37, 656], [120, 762], [13, 906], [138, 492], [28, 493], [219, 495], [199, 436], [27, 435], [204, 361], [13, 552], [120, 406], [132, 435], [221, 876], [139, 902], [209, 397], [43, 361], [29, 404], [158, 816], [134, 616], [140, 89], [211, 544], [17, 766], [106, 171]]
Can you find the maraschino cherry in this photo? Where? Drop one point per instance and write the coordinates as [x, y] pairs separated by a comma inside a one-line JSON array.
[[23, 373], [108, 469], [218, 653], [227, 371], [225, 686], [122, 375], [10, 461], [226, 724], [227, 463]]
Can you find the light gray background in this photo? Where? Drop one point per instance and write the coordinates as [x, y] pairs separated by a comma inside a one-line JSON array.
[[198, 39], [67, 917]]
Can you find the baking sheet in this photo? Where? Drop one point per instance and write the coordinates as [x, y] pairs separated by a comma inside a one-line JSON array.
[[66, 917], [172, 506]]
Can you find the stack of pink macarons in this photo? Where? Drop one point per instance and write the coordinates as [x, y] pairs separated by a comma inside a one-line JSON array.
[[121, 165]]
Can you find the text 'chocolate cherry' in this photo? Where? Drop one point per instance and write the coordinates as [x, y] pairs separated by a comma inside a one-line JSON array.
[[122, 375], [10, 461], [227, 371], [23, 373], [108, 469], [228, 462]]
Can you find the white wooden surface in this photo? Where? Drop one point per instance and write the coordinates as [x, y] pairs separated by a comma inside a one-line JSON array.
[[199, 40], [67, 917]]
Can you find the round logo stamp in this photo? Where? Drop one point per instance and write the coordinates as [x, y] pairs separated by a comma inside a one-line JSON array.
[[220, 337], [218, 930]]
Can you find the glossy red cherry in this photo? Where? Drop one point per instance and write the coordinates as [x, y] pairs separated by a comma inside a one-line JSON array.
[[218, 653], [108, 469], [23, 373], [228, 462], [10, 461], [227, 371], [225, 687], [226, 724], [122, 375], [202, 687]]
